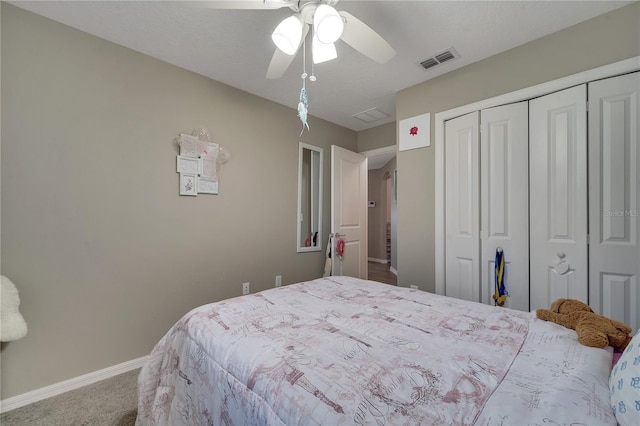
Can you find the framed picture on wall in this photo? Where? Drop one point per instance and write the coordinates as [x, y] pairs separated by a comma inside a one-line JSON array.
[[189, 165], [189, 145], [208, 168], [188, 184], [414, 132], [207, 186]]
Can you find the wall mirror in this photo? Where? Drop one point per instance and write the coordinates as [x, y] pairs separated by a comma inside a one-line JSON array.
[[309, 235]]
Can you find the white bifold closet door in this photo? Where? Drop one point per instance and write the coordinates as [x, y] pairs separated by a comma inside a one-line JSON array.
[[487, 177], [558, 191], [567, 220], [504, 201], [614, 198], [462, 229]]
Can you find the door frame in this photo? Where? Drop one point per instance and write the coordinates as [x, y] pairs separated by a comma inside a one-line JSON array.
[[386, 153], [610, 70]]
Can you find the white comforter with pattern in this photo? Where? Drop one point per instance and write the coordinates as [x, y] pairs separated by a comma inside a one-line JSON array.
[[343, 351]]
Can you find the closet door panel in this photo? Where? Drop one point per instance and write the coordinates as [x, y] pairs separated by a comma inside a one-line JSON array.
[[462, 243], [558, 197], [504, 199], [614, 198]]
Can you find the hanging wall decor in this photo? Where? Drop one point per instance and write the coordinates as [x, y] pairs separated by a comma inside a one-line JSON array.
[[414, 132], [188, 184], [200, 162]]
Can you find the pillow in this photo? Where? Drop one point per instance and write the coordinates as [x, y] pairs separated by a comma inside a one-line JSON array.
[[625, 384]]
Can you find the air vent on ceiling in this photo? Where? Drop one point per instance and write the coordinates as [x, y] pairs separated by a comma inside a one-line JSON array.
[[371, 115], [440, 58]]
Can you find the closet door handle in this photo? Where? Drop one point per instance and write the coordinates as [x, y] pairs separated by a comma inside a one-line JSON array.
[[561, 266]]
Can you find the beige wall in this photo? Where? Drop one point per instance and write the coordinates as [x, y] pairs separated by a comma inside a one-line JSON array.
[[377, 137], [105, 253], [609, 38]]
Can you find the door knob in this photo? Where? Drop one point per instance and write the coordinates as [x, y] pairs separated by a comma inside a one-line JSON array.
[[561, 265]]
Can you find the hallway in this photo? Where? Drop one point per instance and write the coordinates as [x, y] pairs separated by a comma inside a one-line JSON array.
[[380, 272]]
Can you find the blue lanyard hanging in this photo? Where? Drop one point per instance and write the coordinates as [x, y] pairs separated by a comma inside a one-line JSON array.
[[500, 294]]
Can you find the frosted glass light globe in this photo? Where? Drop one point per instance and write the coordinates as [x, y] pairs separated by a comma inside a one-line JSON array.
[[288, 34], [328, 24]]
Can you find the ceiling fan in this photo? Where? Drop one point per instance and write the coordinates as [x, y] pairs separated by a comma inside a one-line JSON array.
[[326, 24]]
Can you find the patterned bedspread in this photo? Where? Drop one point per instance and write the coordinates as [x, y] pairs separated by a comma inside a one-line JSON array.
[[340, 351]]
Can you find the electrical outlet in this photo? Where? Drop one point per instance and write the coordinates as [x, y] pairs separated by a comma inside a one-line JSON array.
[[278, 280], [245, 288]]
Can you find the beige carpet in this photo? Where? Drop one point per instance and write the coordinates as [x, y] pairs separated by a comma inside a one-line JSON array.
[[110, 402]]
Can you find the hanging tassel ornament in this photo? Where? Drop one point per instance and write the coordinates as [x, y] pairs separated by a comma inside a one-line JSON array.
[[303, 105]]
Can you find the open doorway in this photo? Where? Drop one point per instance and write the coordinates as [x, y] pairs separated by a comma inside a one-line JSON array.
[[382, 261]]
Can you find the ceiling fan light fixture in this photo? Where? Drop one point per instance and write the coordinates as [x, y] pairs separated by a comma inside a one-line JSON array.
[[322, 52], [327, 24], [288, 34]]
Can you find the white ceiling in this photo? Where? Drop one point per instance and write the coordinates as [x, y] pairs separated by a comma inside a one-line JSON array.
[[235, 47]]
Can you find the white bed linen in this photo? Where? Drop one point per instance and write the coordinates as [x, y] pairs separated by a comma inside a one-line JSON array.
[[554, 381], [340, 350]]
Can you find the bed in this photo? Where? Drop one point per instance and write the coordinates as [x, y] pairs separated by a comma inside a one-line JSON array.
[[344, 351]]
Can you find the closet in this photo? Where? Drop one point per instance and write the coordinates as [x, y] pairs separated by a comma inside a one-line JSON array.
[[553, 182]]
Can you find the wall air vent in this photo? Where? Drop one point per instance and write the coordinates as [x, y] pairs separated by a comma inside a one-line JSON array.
[[440, 58], [428, 63]]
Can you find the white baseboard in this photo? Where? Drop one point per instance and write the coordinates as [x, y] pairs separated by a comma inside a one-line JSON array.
[[393, 270], [69, 385], [373, 259]]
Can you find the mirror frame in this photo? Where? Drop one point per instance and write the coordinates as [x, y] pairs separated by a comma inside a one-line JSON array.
[[320, 155]]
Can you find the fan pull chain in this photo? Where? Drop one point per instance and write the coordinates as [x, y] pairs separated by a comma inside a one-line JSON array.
[[313, 74], [304, 61]]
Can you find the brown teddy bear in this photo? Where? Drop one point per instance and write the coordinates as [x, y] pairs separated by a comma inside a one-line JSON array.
[[593, 330]]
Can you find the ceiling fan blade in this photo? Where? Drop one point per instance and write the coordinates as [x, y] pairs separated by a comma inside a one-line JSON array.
[[242, 4], [361, 37], [280, 61]]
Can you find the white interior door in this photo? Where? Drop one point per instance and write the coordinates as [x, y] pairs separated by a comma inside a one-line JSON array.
[[558, 194], [504, 200], [614, 198], [462, 228], [349, 211]]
